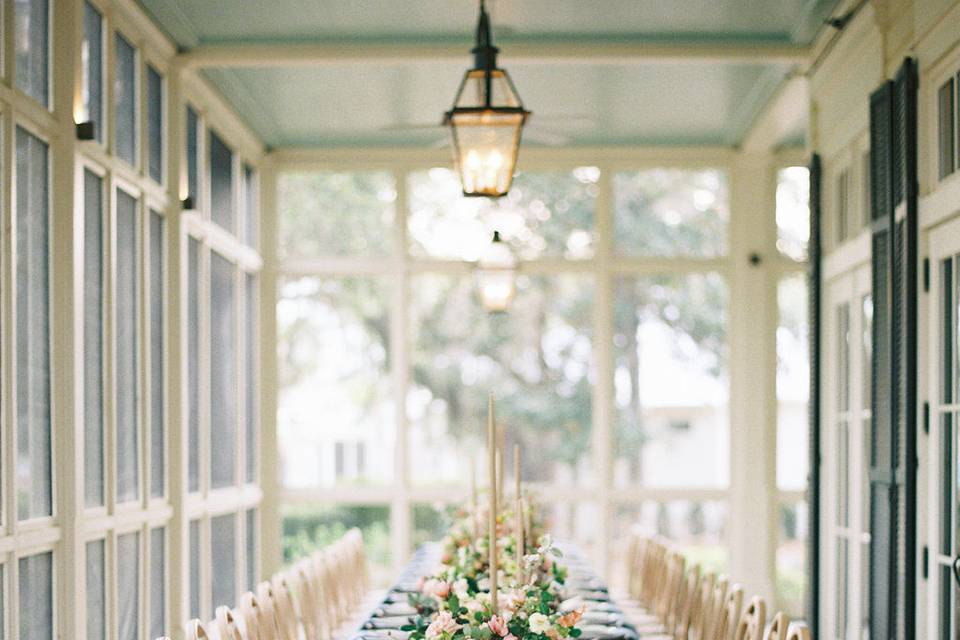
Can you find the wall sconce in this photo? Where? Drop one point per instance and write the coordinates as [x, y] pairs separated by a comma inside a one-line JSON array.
[[86, 130]]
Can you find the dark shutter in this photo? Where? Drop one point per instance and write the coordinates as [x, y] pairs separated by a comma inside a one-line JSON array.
[[813, 539], [893, 174]]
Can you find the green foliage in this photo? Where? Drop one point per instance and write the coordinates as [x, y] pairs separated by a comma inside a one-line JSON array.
[[307, 528]]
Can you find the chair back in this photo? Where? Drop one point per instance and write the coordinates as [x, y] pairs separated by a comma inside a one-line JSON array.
[[195, 631], [227, 627], [752, 621], [728, 614], [670, 592], [266, 612], [688, 606], [778, 627], [701, 615], [256, 621], [284, 611], [308, 597], [799, 632]]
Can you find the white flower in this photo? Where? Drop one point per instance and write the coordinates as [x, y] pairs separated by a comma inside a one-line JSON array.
[[460, 588], [483, 584], [539, 623], [443, 623]]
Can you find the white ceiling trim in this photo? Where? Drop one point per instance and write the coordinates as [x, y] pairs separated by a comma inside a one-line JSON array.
[[250, 55]]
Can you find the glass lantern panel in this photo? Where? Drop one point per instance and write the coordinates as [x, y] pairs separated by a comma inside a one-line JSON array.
[[473, 91], [485, 150]]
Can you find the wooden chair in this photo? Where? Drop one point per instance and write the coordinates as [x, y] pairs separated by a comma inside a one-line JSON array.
[[269, 624], [667, 598], [752, 621], [778, 627], [678, 625], [308, 599], [195, 631], [227, 627], [285, 613], [799, 632], [258, 622], [728, 613], [702, 616]]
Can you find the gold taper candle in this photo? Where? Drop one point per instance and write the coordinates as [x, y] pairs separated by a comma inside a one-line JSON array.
[[520, 539], [501, 439], [516, 470], [492, 447], [474, 515]]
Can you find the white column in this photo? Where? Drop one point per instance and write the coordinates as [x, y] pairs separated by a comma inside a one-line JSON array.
[[66, 323], [752, 322]]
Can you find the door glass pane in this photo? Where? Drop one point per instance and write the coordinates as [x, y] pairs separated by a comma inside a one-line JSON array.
[[34, 481], [945, 139], [155, 123], [128, 586], [947, 440], [793, 382], [193, 362], [251, 554], [223, 372], [36, 597], [334, 361], [125, 100], [252, 385], [336, 214], [251, 199], [223, 554], [158, 582], [842, 586], [535, 359], [946, 608], [93, 338], [193, 175], [221, 182], [157, 351], [670, 381], [32, 38], [546, 214], [91, 53], [671, 212], [947, 332], [96, 591], [3, 602], [195, 560], [128, 448]]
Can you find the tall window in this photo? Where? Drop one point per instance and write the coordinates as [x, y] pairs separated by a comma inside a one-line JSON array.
[[32, 25], [793, 381], [125, 91], [91, 54], [387, 355]]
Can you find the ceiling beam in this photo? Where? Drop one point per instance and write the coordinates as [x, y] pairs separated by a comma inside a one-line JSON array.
[[540, 51]]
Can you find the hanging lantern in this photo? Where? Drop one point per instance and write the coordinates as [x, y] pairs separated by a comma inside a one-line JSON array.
[[496, 276], [486, 121]]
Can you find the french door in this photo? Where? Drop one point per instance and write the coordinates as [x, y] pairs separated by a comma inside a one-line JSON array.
[[944, 536], [845, 440]]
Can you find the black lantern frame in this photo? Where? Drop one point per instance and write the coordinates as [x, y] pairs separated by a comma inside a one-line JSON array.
[[486, 121]]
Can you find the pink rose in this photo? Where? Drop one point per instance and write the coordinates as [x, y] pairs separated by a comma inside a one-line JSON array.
[[498, 625], [509, 636], [443, 623]]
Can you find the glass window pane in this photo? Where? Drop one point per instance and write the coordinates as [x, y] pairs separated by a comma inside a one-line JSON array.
[[575, 521], [252, 201], [93, 338], [223, 554], [793, 382], [945, 138], [697, 527], [195, 560], [791, 558], [252, 386], [671, 212], [336, 387], [157, 368], [125, 100], [158, 582], [308, 527], [91, 53], [3, 601], [793, 212], [221, 182], [32, 38], [430, 523], [535, 359], [126, 294], [128, 586], [336, 213], [96, 591], [546, 214], [251, 553], [671, 389], [154, 123], [35, 585], [223, 372], [193, 362], [34, 479], [193, 150]]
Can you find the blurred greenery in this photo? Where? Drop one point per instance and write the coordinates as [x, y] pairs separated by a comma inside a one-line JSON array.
[[430, 522], [308, 527]]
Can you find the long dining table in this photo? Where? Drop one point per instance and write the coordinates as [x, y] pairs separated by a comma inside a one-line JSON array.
[[603, 619]]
